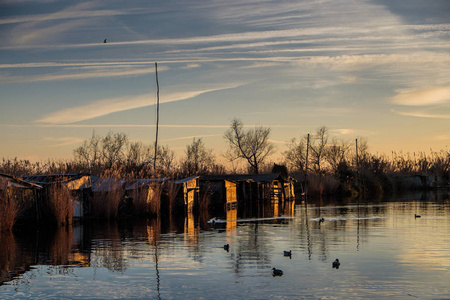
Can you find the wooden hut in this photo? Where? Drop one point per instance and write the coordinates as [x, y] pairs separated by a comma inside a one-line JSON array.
[[76, 185], [17, 200], [222, 192], [188, 191], [143, 197], [250, 192], [106, 196]]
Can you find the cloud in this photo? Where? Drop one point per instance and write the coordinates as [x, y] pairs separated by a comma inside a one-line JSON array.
[[423, 97], [64, 141], [423, 115], [108, 106], [82, 10], [103, 72], [191, 66]]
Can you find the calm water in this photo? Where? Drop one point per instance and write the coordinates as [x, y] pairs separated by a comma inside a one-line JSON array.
[[385, 252]]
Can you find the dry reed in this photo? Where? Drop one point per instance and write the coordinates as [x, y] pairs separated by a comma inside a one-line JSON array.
[[8, 210], [60, 204]]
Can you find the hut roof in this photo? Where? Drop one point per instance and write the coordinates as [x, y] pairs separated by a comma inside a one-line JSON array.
[[106, 184], [47, 179], [11, 181], [72, 181], [263, 178], [143, 182], [187, 179]]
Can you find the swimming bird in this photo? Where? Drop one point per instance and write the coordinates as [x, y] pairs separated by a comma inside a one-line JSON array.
[[104, 41], [321, 220], [288, 253], [277, 272], [416, 216], [336, 264], [226, 247]]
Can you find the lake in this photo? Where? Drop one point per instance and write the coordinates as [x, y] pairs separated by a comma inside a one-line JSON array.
[[384, 251]]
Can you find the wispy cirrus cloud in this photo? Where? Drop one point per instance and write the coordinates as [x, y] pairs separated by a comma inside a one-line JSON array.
[[63, 141], [423, 115], [108, 106], [98, 72], [81, 10], [423, 97]]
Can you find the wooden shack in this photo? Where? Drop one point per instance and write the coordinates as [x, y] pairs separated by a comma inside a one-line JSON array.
[[106, 196], [249, 192], [17, 200], [188, 190], [78, 186], [144, 196], [222, 192]]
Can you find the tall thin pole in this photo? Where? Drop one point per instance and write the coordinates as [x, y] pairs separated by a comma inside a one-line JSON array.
[[157, 115], [306, 168], [358, 173]]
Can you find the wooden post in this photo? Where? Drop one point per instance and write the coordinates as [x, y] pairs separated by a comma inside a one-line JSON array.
[[157, 116]]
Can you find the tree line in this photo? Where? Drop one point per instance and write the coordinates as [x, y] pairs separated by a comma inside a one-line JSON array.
[[323, 158]]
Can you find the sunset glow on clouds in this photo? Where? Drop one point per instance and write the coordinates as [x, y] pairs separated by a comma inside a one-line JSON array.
[[423, 97], [363, 69]]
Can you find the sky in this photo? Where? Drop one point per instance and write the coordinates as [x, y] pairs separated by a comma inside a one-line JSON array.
[[372, 69]]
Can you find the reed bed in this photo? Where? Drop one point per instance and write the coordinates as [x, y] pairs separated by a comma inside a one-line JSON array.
[[60, 204], [8, 211]]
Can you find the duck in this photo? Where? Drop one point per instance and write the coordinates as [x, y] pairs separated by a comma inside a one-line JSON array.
[[226, 247], [416, 216], [277, 272], [321, 220], [287, 253], [104, 41], [336, 264]]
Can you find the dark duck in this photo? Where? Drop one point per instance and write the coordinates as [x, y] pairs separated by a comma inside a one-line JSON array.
[[336, 264], [277, 272]]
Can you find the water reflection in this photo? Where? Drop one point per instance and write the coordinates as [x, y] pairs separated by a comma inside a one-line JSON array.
[[379, 244]]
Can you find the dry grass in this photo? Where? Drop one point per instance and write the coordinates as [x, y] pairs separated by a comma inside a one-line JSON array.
[[105, 205], [172, 190], [147, 200], [8, 210], [60, 204], [322, 185]]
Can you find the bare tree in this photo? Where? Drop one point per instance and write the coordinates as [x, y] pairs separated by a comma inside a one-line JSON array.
[[113, 148], [318, 146], [295, 156], [89, 153], [164, 159], [337, 152], [199, 159], [252, 145]]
